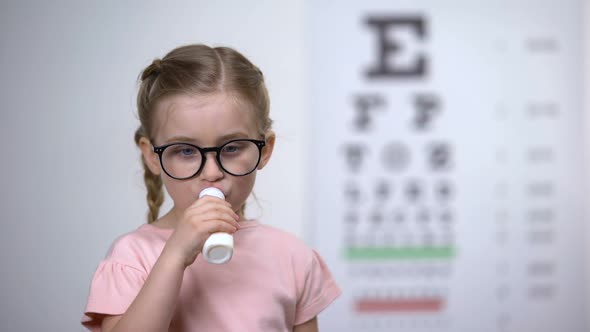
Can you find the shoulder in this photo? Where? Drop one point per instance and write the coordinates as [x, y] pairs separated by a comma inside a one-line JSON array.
[[137, 247], [277, 232], [285, 247], [129, 241], [313, 284], [281, 239]]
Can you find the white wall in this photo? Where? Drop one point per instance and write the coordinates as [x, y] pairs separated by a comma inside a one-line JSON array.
[[587, 138], [70, 170]]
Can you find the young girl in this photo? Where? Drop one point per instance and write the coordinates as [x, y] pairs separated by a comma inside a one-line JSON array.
[[204, 116]]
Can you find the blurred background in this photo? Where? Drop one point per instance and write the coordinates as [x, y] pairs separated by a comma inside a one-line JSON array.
[[434, 152]]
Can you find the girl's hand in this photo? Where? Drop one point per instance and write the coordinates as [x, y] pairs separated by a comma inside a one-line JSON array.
[[204, 217]]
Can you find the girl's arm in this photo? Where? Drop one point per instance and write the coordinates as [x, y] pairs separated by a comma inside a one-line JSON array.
[[309, 326], [153, 307]]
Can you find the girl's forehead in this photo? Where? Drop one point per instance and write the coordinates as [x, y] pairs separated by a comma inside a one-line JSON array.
[[202, 117]]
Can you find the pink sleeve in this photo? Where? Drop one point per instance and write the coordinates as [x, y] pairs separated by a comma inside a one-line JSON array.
[[113, 288], [318, 289]]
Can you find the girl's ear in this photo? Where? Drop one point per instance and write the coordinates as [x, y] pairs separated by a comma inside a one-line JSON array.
[[149, 156], [267, 149]]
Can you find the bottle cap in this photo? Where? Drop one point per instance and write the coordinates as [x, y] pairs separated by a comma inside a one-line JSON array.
[[219, 248], [212, 191]]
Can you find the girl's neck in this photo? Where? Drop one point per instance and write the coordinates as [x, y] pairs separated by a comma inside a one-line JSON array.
[[166, 221]]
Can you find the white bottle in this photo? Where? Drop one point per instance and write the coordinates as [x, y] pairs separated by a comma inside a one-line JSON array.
[[219, 247]]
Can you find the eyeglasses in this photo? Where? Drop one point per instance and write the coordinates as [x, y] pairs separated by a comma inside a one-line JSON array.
[[183, 160]]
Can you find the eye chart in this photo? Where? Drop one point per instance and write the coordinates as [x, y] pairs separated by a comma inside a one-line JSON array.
[[448, 176]]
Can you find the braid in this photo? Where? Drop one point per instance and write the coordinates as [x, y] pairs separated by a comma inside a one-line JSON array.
[[155, 194], [153, 184]]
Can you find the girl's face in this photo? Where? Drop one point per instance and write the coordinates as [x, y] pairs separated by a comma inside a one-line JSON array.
[[205, 121]]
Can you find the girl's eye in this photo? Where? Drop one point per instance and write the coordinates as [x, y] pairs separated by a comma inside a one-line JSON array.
[[185, 151], [232, 148]]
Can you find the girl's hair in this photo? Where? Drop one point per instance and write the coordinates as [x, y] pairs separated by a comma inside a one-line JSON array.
[[197, 69]]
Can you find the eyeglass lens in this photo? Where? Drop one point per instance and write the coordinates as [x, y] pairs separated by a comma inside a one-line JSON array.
[[236, 157]]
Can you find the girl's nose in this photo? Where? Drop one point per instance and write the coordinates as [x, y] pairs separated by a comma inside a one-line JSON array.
[[211, 170]]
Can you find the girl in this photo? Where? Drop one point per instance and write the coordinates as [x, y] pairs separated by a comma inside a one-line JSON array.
[[204, 116]]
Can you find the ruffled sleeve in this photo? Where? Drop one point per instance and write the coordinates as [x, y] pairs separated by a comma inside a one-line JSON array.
[[317, 289], [113, 288]]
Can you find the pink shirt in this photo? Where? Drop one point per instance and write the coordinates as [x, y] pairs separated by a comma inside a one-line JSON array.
[[273, 282]]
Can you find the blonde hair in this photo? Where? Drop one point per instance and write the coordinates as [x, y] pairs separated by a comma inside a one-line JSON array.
[[196, 69]]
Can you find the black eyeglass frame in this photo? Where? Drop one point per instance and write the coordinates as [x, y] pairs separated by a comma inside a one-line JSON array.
[[159, 150]]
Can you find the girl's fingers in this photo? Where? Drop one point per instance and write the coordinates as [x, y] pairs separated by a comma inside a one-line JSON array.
[[219, 226], [210, 209], [207, 203], [210, 199], [216, 216], [197, 216], [214, 226]]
